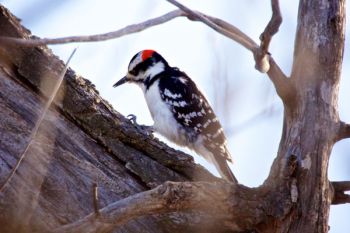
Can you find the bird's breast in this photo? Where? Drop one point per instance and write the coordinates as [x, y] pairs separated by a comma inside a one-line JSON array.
[[164, 121]]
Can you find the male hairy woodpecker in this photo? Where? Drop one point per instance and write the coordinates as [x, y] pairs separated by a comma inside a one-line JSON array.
[[180, 111]]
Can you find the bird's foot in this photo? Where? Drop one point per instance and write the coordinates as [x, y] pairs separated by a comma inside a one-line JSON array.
[[145, 128]]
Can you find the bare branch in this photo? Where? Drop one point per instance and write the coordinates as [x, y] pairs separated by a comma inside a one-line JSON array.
[[261, 55], [264, 63], [272, 27], [343, 131], [283, 85], [98, 37], [169, 197], [235, 205], [38, 123], [229, 31], [340, 197]]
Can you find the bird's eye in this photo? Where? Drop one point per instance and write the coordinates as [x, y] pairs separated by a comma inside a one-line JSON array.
[[132, 72]]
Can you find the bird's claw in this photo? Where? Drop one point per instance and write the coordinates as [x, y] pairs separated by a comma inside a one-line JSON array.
[[144, 128], [132, 118]]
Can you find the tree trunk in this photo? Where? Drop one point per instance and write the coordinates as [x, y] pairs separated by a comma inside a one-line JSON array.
[[311, 121]]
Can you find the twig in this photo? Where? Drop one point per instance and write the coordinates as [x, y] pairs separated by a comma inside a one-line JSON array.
[[95, 198], [272, 27], [340, 197], [38, 123], [98, 37], [235, 34], [262, 54], [264, 62], [283, 86]]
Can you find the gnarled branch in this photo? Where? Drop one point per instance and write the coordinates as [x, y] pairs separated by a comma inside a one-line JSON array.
[[272, 27], [276, 75], [234, 205], [240, 207], [264, 61]]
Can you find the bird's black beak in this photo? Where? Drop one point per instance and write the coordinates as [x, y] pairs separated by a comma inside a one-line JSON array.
[[121, 81]]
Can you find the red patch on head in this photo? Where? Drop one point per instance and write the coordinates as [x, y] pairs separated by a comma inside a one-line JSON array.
[[147, 54]]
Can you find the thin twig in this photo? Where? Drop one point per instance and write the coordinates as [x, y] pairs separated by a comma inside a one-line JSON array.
[[272, 27], [261, 55], [229, 31], [95, 198], [264, 62], [97, 37], [38, 123]]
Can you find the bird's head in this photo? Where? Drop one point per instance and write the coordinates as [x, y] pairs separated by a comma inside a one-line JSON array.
[[143, 66]]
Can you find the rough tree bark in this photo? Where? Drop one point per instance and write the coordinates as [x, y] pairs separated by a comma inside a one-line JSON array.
[[84, 140]]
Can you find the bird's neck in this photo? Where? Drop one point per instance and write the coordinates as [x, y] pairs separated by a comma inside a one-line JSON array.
[[153, 73]]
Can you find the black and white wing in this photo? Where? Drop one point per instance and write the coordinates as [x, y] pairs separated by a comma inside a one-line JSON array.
[[191, 109]]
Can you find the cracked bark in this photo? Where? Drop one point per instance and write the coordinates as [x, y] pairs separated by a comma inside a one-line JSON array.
[[84, 140]]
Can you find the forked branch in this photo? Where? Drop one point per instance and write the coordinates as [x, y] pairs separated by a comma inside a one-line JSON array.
[[234, 205], [264, 61], [271, 29]]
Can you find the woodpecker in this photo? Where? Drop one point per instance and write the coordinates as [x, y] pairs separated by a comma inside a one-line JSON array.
[[179, 110]]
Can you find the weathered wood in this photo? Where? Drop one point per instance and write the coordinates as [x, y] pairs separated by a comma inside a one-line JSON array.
[[84, 141], [81, 141]]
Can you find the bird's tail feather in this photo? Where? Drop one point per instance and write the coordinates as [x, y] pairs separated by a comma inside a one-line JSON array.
[[224, 170]]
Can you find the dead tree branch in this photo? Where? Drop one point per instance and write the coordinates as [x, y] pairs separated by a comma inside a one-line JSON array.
[[261, 55], [264, 62], [340, 197], [235, 205], [234, 33], [97, 37], [272, 27]]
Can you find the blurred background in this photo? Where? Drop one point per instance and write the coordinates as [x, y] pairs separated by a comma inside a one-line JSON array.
[[244, 99]]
